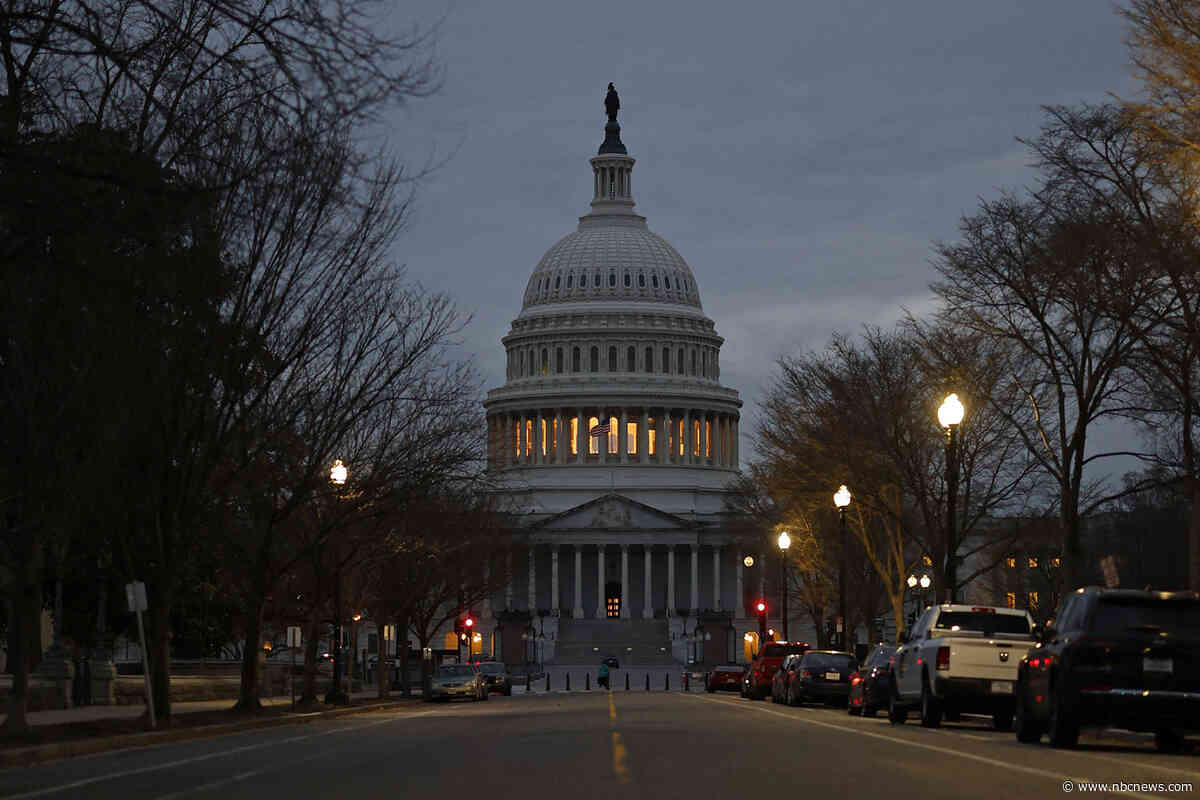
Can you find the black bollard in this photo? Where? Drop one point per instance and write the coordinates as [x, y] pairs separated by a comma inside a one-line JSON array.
[[587, 681], [667, 682], [547, 680], [528, 681], [568, 681], [687, 687], [647, 681], [627, 681]]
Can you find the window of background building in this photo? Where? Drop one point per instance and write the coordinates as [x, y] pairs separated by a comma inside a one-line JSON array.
[[628, 281], [679, 436], [1010, 599], [574, 436], [613, 431], [1056, 562], [558, 360], [630, 359], [927, 561], [1011, 562], [1033, 562], [652, 436], [595, 359], [649, 365], [612, 279], [612, 359], [631, 435], [1031, 602]]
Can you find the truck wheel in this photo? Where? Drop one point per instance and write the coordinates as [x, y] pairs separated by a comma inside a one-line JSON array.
[[1063, 727], [931, 708]]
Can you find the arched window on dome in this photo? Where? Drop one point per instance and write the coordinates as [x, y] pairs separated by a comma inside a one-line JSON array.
[[679, 365], [693, 372], [648, 366], [558, 360], [557, 281], [666, 361], [532, 362], [667, 278], [704, 363], [595, 359], [596, 281], [628, 280], [546, 361], [654, 281], [612, 280], [642, 280], [630, 359], [570, 280], [575, 366], [521, 367], [612, 359]]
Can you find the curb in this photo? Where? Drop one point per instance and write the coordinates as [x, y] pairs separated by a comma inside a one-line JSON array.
[[36, 754]]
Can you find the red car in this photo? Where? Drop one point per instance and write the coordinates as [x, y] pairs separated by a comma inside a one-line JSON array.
[[727, 677], [763, 668]]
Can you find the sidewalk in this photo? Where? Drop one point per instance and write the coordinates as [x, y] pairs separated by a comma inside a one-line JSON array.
[[95, 713]]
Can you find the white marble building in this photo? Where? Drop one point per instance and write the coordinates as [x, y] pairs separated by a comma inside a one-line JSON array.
[[614, 441]]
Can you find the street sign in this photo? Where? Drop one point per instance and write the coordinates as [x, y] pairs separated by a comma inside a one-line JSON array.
[[135, 596], [293, 639]]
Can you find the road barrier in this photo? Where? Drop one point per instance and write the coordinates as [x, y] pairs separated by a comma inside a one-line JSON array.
[[528, 681], [647, 681], [547, 680], [587, 681], [627, 681]]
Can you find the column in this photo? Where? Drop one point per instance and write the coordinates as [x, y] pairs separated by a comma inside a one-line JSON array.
[[739, 599], [716, 577], [643, 437], [554, 579], [508, 586], [695, 578], [648, 605], [601, 612], [624, 581], [687, 436], [736, 443], [622, 436], [532, 578], [577, 609], [670, 580]]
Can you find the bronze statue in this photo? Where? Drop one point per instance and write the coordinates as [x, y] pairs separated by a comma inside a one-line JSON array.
[[612, 103]]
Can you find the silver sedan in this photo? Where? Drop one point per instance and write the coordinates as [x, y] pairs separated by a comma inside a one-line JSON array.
[[457, 680]]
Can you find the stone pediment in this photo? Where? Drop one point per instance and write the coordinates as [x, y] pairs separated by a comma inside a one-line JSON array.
[[614, 512]]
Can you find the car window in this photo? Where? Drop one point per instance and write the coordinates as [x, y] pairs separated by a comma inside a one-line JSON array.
[[838, 661], [922, 624], [455, 671], [987, 623], [491, 669], [1071, 617], [1122, 616], [781, 650]]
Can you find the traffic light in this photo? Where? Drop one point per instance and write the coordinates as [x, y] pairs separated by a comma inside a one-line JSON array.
[[761, 608], [468, 623]]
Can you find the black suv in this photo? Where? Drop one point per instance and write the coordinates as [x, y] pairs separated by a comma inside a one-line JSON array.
[[495, 677], [1114, 657]]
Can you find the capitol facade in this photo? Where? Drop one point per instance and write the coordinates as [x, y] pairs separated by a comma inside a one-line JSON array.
[[614, 442]]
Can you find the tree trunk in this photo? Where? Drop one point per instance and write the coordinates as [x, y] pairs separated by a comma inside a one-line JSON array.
[[158, 653], [402, 650], [248, 692], [26, 606], [383, 673]]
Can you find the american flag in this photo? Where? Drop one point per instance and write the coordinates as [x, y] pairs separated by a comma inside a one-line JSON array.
[[600, 430]]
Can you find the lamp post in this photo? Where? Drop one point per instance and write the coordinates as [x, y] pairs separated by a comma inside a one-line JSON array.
[[841, 499], [925, 582], [912, 589], [337, 476], [784, 542], [950, 414]]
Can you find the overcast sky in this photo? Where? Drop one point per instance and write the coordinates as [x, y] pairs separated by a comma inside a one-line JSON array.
[[801, 156]]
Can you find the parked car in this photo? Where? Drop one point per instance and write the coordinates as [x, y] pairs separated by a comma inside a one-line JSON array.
[[726, 677], [457, 680], [766, 663], [869, 684], [1114, 657], [495, 677], [960, 658], [782, 678], [822, 676]]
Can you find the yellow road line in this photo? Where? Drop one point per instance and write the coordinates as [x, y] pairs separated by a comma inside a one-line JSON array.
[[619, 756], [612, 712]]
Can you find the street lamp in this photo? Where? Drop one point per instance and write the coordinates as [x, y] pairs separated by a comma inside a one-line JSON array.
[[950, 414], [337, 476], [784, 542], [841, 499]]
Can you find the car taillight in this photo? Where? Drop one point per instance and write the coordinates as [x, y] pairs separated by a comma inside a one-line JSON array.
[[805, 673], [855, 679], [943, 657]]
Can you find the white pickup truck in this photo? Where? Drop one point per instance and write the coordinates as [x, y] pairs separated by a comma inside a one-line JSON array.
[[960, 658]]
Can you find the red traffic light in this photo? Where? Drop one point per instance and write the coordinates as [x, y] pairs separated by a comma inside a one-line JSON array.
[[762, 607], [469, 622]]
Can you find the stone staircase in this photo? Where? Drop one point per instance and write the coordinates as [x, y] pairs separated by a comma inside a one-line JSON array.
[[644, 642]]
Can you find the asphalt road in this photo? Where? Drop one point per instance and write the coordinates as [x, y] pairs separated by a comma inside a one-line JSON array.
[[638, 745]]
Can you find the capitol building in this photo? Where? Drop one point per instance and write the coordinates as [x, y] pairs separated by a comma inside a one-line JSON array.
[[613, 443]]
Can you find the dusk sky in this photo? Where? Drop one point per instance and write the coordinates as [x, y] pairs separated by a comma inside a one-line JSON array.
[[801, 156]]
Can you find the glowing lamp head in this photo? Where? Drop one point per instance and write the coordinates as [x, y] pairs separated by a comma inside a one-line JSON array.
[[749, 637], [358, 617], [785, 541], [925, 581], [338, 472], [951, 411], [841, 498], [469, 622], [748, 561], [912, 581]]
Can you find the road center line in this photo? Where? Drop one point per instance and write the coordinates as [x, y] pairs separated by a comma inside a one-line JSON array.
[[205, 757], [1059, 777]]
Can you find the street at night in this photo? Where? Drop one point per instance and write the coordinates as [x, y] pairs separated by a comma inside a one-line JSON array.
[[605, 745]]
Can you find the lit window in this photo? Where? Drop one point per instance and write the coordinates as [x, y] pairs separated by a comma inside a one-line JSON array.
[[707, 439], [528, 438], [574, 436], [1056, 562], [593, 441], [516, 441], [1010, 600], [1033, 562], [1031, 601], [631, 438], [1011, 562], [543, 434], [652, 436], [679, 436], [614, 607], [613, 430], [695, 436], [927, 561]]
